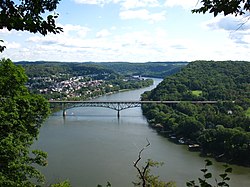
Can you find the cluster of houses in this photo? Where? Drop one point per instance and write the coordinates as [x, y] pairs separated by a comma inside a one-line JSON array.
[[65, 87]]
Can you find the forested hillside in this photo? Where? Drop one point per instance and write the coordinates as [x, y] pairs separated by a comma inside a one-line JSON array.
[[43, 68], [222, 129], [150, 69]]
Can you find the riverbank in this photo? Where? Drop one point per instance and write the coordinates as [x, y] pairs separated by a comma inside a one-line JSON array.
[[192, 145]]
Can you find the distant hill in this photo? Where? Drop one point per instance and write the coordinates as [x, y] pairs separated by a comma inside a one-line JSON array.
[[148, 69], [43, 68]]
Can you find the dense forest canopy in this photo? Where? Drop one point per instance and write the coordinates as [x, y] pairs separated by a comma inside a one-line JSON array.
[[223, 129], [21, 116], [213, 80], [43, 69], [149, 69]]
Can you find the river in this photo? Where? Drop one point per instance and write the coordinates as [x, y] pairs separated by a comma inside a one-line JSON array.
[[91, 146]]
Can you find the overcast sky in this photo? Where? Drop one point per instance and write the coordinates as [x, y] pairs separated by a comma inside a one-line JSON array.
[[134, 31]]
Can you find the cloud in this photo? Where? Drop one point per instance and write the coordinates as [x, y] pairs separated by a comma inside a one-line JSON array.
[[93, 2], [72, 36], [228, 23], [12, 45], [132, 9], [126, 4], [131, 4], [237, 28], [178, 46], [5, 31], [143, 14], [78, 30], [103, 33], [186, 4]]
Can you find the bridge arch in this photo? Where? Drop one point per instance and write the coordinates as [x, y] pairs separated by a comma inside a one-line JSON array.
[[117, 106]]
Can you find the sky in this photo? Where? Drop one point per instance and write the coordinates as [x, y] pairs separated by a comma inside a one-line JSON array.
[[133, 31]]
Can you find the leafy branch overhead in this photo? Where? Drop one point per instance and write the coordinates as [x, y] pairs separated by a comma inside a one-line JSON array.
[[27, 16], [235, 7], [203, 182]]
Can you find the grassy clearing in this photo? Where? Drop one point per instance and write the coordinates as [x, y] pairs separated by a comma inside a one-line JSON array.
[[248, 112], [197, 92]]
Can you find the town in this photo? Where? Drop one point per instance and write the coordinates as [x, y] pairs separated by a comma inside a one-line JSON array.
[[65, 86]]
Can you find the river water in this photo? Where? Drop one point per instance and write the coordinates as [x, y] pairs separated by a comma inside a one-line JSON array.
[[91, 146]]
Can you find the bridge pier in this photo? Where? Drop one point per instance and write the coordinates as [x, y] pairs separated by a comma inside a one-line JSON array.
[[118, 113], [64, 113]]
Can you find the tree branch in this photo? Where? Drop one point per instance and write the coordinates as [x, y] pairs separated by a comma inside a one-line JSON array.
[[142, 172]]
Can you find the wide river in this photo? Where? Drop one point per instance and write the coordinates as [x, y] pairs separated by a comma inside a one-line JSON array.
[[92, 146]]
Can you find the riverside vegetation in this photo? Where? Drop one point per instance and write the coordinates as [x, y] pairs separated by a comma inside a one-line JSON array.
[[223, 129]]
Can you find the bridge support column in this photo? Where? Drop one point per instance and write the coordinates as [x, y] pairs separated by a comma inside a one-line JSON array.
[[64, 110], [64, 113], [118, 110]]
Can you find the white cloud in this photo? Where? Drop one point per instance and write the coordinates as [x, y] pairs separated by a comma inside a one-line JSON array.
[[69, 30], [92, 2], [237, 29], [228, 23], [72, 35], [5, 31], [131, 4], [186, 4], [12, 45], [126, 4], [102, 33], [143, 14]]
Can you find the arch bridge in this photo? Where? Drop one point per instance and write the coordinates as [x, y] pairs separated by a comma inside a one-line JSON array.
[[118, 105]]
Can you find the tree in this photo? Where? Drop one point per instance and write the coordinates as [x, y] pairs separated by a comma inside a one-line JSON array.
[[235, 7], [27, 16], [21, 116]]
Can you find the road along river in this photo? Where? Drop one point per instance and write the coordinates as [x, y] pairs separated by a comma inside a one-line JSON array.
[[92, 146]]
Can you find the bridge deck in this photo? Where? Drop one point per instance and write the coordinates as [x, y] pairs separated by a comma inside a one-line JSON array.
[[119, 105], [131, 101]]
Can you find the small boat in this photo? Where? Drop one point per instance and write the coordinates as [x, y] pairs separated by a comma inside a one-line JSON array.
[[194, 147], [181, 141]]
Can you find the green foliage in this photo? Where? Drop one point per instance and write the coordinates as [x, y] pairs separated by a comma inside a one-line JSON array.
[[62, 184], [152, 180], [27, 16], [204, 182], [222, 129], [145, 178], [248, 112], [197, 92], [21, 115], [235, 7], [149, 69]]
